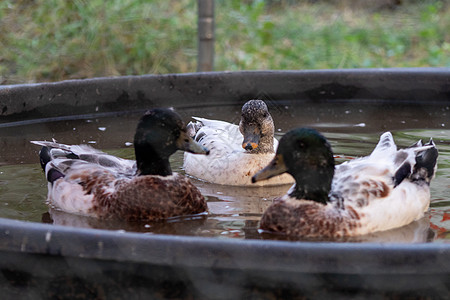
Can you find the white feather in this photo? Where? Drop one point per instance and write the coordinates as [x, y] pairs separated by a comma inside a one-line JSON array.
[[66, 194], [403, 204], [228, 163], [89, 154]]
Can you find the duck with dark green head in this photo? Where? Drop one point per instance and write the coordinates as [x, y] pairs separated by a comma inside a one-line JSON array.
[[387, 189], [89, 182]]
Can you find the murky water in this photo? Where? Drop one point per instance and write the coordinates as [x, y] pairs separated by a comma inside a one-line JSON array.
[[353, 129]]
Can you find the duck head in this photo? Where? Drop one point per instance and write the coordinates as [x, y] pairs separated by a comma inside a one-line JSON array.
[[161, 132], [307, 156], [257, 127]]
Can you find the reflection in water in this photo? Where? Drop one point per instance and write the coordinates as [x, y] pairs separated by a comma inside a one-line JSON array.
[[202, 225], [231, 200], [177, 226], [234, 212], [415, 232]]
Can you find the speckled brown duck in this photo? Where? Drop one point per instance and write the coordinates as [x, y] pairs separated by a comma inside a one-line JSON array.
[[237, 151], [85, 181], [387, 189]]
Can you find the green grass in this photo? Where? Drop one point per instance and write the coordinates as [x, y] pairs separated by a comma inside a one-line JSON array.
[[51, 40]]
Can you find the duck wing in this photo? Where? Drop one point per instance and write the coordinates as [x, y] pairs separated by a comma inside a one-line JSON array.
[[365, 178], [224, 134], [224, 143], [52, 150], [73, 184], [227, 135], [375, 176]]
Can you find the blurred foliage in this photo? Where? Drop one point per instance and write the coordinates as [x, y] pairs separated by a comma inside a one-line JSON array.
[[47, 40], [50, 40], [332, 34]]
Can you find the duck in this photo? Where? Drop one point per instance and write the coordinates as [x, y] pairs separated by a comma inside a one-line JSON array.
[[387, 189], [236, 151], [89, 182]]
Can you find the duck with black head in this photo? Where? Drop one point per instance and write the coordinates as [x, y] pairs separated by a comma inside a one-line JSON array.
[[86, 181], [389, 188]]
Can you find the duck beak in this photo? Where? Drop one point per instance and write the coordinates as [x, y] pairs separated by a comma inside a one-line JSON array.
[[251, 138], [274, 168], [186, 143]]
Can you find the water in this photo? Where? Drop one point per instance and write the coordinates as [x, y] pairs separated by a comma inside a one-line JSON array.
[[353, 129]]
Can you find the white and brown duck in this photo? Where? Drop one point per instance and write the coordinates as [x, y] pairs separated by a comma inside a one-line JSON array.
[[389, 188], [86, 181], [237, 151]]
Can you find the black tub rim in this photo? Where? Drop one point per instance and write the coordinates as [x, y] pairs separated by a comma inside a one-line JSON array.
[[166, 250], [105, 93], [308, 257]]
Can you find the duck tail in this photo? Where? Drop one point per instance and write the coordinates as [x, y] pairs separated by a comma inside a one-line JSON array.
[[417, 162], [426, 163], [44, 156], [52, 150], [385, 147], [193, 127]]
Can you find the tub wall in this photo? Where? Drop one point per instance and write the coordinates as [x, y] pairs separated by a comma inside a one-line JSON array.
[[140, 92]]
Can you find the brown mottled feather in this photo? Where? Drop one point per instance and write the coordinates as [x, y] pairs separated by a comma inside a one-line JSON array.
[[149, 198], [360, 190], [142, 197], [306, 218]]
